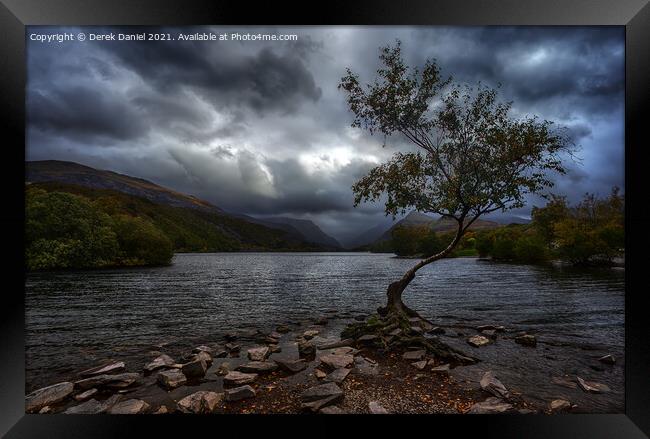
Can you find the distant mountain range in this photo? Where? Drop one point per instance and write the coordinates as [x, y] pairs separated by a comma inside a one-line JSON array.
[[194, 225]]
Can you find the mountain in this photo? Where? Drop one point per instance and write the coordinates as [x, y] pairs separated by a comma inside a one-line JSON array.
[[371, 235], [76, 174], [309, 231], [190, 223], [439, 225]]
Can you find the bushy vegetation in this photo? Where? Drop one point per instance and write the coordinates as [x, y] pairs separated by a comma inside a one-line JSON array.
[[70, 226], [590, 232]]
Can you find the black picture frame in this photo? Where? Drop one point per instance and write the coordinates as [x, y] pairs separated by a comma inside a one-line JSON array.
[[633, 14]]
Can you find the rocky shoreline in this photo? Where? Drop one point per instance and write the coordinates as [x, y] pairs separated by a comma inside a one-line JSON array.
[[300, 368]]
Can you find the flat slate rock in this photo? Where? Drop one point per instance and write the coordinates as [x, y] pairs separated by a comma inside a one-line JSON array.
[[258, 367], [336, 344], [309, 334], [201, 402], [414, 355], [559, 405], [194, 369], [420, 365], [564, 382], [202, 348], [442, 369], [526, 340], [105, 369], [376, 409], [335, 361], [118, 381], [129, 407], [592, 386], [491, 384], [235, 377], [259, 353], [161, 361], [292, 366], [478, 341], [238, 393], [338, 375], [368, 338], [93, 407], [170, 379], [320, 392], [85, 395], [47, 396], [490, 406]]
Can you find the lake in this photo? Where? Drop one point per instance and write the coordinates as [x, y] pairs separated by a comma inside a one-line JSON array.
[[76, 319]]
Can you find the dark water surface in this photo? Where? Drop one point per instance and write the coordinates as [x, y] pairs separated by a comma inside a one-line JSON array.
[[75, 319]]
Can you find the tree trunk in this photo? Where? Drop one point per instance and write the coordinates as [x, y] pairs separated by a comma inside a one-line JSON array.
[[395, 305]]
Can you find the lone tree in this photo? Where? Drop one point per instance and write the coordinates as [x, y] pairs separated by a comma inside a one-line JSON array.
[[472, 157]]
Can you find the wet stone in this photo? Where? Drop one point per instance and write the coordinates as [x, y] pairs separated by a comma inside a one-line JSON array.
[[170, 379], [239, 393], [258, 367], [129, 407], [47, 396], [491, 384], [238, 378], [85, 395], [490, 406], [478, 341], [159, 362], [292, 366], [201, 402], [414, 355], [338, 375], [258, 353], [592, 386], [105, 369], [526, 340]]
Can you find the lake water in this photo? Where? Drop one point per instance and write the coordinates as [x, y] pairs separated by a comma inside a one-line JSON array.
[[76, 319]]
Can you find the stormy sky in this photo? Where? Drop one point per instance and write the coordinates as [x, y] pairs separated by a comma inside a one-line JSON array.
[[261, 128]]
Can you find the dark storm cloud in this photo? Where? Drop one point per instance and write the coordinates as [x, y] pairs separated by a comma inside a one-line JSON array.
[[261, 128]]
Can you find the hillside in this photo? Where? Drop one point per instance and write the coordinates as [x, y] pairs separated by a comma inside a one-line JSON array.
[[439, 225], [309, 231], [190, 230]]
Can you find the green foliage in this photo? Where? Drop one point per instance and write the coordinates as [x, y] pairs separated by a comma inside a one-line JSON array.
[[141, 243]]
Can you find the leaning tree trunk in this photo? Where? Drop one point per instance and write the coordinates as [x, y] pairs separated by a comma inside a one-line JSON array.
[[395, 306]]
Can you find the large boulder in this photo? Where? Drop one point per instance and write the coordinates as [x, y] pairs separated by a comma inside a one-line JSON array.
[[112, 367], [161, 361], [320, 396], [258, 367], [119, 381], [258, 353], [93, 407], [170, 379], [376, 409], [492, 385], [194, 369], [334, 361], [129, 407], [239, 378], [47, 396], [201, 402], [490, 406], [237, 393]]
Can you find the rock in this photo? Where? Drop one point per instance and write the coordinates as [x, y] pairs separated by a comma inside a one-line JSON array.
[[490, 333], [592, 386], [319, 374], [162, 410], [607, 359], [238, 393], [194, 369], [564, 382], [376, 409], [258, 354], [232, 347], [159, 362], [85, 395], [221, 353], [292, 366], [338, 375], [308, 335], [490, 406], [332, 410], [478, 341], [395, 332], [258, 367], [337, 344], [306, 349], [334, 361], [559, 405], [320, 396], [118, 381], [47, 396], [282, 329], [202, 348], [170, 379], [276, 335], [436, 330], [223, 369], [201, 402], [442, 369], [490, 328], [420, 365], [239, 378], [203, 355], [129, 407], [274, 348], [45, 410], [414, 355], [526, 340], [417, 330], [526, 412], [93, 407], [105, 369], [492, 385], [367, 339], [271, 340], [345, 351]]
